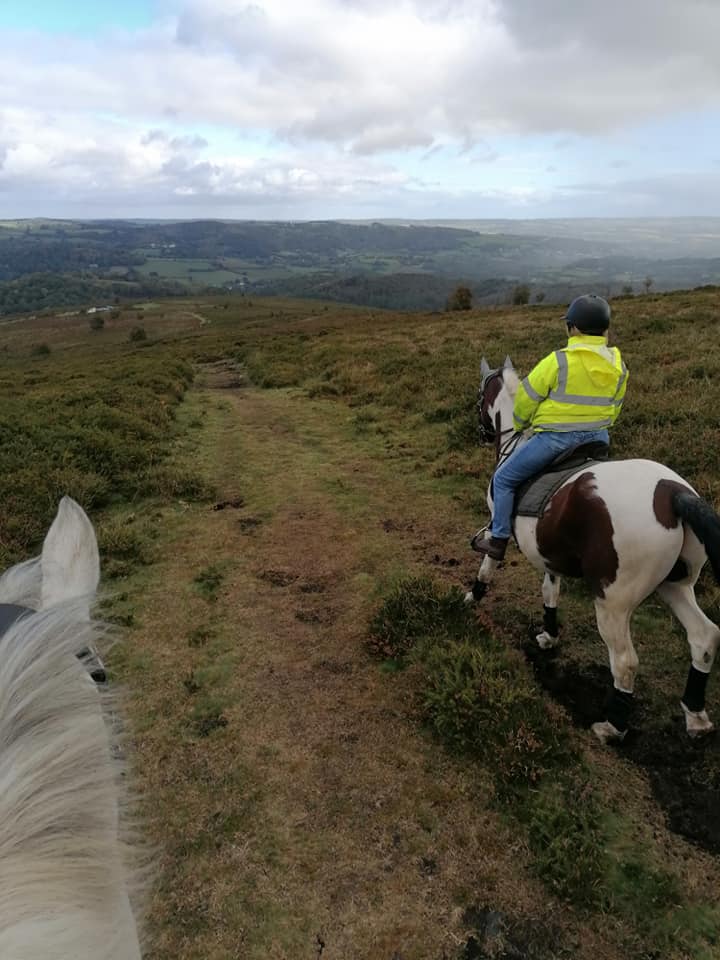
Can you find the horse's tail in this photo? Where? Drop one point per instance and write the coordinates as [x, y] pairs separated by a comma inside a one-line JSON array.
[[704, 523]]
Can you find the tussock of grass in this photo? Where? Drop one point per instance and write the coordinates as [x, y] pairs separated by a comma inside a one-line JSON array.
[[208, 716], [122, 546], [200, 636], [209, 581], [564, 824], [480, 701], [463, 430], [417, 609]]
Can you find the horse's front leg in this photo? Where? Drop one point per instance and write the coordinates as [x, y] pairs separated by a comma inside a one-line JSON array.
[[549, 635], [483, 580]]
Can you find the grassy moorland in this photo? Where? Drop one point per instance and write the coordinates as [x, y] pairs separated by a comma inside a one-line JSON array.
[[339, 758]]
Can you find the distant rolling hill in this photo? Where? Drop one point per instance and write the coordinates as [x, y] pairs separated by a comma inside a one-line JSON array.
[[395, 264]]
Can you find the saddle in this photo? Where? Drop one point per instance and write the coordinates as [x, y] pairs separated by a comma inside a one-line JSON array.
[[10, 613], [533, 495]]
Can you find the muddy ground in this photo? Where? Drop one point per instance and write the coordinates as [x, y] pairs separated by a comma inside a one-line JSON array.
[[683, 772]]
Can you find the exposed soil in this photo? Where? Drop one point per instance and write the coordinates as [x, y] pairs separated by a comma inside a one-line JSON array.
[[683, 772], [235, 503], [224, 374]]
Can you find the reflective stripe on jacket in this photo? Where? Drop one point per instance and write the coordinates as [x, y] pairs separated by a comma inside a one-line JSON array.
[[581, 387]]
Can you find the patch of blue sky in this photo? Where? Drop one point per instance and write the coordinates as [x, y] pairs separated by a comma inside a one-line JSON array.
[[683, 142], [86, 17], [229, 141], [219, 139], [688, 141]]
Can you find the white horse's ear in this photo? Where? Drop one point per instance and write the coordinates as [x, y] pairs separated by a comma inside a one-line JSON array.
[[484, 367], [70, 561], [507, 365]]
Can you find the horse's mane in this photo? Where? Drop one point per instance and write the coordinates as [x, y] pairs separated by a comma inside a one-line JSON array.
[[22, 584], [511, 380], [63, 871]]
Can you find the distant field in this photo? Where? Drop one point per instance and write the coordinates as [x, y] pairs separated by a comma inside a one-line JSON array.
[[204, 271], [194, 271]]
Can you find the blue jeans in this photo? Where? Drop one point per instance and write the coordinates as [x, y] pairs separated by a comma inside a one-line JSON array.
[[527, 460]]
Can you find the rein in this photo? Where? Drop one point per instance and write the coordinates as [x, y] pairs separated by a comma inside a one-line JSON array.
[[504, 449]]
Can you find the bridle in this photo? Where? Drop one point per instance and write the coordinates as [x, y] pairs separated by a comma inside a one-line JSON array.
[[487, 429], [490, 432]]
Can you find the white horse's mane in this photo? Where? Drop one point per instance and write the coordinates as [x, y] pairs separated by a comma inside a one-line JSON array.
[[511, 380], [64, 872], [22, 584]]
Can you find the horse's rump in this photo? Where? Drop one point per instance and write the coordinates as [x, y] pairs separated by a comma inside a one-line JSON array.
[[614, 512]]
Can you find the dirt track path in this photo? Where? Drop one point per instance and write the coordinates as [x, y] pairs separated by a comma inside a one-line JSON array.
[[300, 812]]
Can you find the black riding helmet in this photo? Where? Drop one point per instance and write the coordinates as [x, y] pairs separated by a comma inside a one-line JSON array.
[[589, 314]]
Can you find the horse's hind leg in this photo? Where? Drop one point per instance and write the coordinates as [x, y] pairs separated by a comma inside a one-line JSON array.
[[704, 637], [548, 637], [614, 626]]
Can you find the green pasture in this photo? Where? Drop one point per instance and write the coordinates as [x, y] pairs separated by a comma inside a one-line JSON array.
[[193, 271]]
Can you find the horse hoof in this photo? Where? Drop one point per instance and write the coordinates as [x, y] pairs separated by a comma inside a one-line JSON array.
[[697, 724], [546, 641], [607, 733]]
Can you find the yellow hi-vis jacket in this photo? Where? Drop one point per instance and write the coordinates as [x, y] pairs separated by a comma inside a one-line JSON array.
[[581, 387]]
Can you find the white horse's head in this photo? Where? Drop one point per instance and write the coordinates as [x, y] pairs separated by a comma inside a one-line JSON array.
[[65, 872], [496, 399]]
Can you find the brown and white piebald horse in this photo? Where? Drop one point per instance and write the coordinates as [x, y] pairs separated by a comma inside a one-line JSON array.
[[628, 528]]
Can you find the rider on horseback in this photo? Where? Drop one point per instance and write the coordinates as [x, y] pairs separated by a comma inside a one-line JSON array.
[[570, 398]]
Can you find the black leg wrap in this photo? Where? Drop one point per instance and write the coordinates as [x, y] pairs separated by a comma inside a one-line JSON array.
[[694, 696], [479, 590], [617, 709], [550, 624]]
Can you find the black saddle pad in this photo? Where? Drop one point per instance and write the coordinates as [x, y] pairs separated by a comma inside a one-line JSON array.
[[10, 613], [532, 496]]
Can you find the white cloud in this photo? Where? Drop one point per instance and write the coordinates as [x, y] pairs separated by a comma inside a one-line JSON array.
[[338, 71], [107, 162], [331, 85]]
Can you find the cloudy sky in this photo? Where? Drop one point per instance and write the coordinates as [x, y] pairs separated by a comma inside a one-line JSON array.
[[313, 109]]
